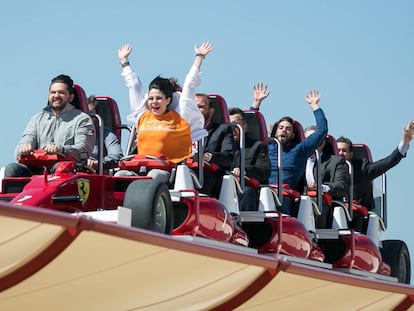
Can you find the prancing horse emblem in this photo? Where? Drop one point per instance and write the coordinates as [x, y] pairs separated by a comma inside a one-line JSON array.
[[83, 189]]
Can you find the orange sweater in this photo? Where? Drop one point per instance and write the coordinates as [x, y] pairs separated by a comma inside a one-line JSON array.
[[168, 134]]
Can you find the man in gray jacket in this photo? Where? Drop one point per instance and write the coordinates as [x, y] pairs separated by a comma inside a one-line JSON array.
[[59, 129]]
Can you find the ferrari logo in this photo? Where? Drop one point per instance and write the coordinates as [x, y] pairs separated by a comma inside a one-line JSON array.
[[83, 189]]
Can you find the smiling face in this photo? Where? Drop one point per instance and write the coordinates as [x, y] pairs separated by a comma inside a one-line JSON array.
[[157, 102], [344, 150], [59, 96]]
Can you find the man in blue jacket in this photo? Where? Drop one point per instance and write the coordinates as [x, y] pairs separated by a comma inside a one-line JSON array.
[[295, 152]]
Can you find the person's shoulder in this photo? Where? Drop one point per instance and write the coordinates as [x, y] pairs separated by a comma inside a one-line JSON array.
[[223, 127], [256, 143], [220, 131], [82, 113], [339, 159], [76, 114]]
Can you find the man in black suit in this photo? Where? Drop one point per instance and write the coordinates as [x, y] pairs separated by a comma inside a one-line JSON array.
[[365, 172], [257, 163], [218, 148], [335, 178]]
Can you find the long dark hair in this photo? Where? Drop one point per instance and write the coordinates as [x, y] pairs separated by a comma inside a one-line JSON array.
[[162, 84]]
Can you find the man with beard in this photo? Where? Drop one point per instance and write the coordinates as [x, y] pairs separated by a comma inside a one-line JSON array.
[[365, 172], [295, 152], [59, 129]]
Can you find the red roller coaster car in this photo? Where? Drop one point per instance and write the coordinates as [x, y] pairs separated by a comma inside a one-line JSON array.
[[181, 210]]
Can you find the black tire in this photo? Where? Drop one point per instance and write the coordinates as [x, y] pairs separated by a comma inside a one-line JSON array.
[[396, 254], [151, 205]]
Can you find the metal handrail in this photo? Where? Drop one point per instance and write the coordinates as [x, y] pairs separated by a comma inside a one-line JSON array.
[[279, 169]]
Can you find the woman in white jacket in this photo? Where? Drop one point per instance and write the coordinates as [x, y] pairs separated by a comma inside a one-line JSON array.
[[183, 103], [167, 122]]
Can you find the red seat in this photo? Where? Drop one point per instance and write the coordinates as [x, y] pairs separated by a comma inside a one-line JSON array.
[[300, 134], [326, 197], [359, 209], [360, 217], [256, 125], [108, 110], [221, 112], [293, 195], [362, 151], [331, 146], [80, 101]]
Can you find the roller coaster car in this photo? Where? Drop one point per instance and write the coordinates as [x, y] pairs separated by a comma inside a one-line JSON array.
[[180, 210], [348, 244], [190, 213], [68, 188], [344, 246]]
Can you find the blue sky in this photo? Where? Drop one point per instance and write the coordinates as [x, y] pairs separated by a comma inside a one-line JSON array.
[[357, 53]]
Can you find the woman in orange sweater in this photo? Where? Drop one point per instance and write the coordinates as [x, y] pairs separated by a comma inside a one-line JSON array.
[[167, 122]]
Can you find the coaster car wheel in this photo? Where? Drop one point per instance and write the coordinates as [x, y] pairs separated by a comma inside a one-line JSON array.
[[151, 206], [395, 253]]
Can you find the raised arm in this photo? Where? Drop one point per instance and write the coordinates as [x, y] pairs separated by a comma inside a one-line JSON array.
[[123, 54], [312, 98], [408, 133], [187, 107], [312, 142], [260, 93], [379, 167], [201, 53], [132, 81], [192, 80]]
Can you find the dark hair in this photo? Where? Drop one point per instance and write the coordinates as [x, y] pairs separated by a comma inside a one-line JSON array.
[[207, 99], [163, 85], [288, 119], [310, 128], [92, 100], [177, 87], [65, 80], [345, 140], [235, 110]]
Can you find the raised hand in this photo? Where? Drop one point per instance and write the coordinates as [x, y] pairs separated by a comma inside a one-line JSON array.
[[203, 49], [123, 52], [260, 91], [408, 132], [313, 97]]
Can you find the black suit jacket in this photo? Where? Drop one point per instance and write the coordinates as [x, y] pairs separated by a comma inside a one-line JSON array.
[[220, 143], [257, 163], [365, 172], [335, 174]]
